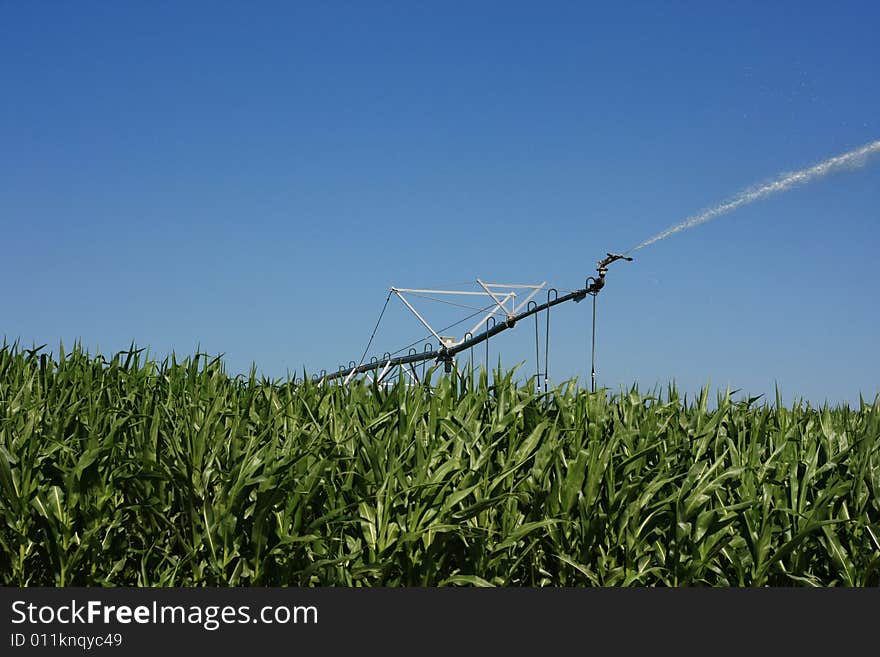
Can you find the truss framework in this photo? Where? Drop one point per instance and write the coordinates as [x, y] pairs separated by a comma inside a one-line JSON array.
[[504, 296]]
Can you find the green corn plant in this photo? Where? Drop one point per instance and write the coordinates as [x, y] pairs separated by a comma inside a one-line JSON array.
[[127, 470]]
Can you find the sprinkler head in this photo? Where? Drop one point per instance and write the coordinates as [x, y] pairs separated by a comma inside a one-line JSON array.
[[602, 268], [602, 265], [612, 257]]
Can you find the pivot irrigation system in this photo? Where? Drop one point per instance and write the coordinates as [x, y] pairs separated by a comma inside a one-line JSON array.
[[503, 302], [504, 297]]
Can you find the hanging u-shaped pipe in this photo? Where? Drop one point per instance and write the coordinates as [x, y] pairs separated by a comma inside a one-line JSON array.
[[547, 339], [428, 347], [531, 306], [412, 368], [590, 284], [492, 317], [468, 336]]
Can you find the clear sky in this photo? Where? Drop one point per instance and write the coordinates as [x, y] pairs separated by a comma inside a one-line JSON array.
[[250, 178]]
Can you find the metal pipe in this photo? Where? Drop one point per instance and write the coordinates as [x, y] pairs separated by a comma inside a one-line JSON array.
[[428, 347], [547, 339], [593, 356], [530, 305], [494, 324], [471, 370]]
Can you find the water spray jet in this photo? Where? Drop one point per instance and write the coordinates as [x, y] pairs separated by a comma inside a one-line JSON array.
[[852, 159]]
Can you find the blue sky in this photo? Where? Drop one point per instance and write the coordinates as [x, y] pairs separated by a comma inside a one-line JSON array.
[[250, 178]]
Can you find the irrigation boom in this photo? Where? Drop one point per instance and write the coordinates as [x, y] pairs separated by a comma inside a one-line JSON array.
[[446, 352]]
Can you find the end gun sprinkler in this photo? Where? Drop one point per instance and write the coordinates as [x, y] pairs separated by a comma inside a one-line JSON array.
[[602, 268]]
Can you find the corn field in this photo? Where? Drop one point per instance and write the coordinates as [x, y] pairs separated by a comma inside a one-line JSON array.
[[132, 472]]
